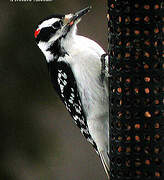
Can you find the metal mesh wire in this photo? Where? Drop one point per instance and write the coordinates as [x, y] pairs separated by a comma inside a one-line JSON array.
[[137, 89]]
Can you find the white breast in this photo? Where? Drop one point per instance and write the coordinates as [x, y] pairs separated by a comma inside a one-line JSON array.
[[84, 58]]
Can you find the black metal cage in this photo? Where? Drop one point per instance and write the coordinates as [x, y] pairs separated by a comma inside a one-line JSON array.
[[136, 89]]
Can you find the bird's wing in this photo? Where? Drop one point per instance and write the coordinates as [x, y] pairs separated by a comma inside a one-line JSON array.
[[65, 85]]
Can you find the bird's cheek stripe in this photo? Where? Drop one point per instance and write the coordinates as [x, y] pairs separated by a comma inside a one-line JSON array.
[[36, 33]]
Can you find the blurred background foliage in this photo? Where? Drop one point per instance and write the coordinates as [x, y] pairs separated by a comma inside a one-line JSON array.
[[39, 140]]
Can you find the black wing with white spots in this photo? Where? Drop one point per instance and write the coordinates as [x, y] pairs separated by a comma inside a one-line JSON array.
[[65, 84]]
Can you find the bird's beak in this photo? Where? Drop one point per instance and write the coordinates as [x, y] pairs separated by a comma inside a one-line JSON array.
[[70, 19]]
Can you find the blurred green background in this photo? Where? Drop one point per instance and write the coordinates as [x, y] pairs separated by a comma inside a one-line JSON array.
[[39, 140]]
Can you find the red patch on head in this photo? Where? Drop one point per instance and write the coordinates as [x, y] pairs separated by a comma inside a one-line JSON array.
[[36, 33]]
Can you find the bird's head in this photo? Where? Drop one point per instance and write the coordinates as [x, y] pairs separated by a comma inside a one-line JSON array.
[[55, 27]]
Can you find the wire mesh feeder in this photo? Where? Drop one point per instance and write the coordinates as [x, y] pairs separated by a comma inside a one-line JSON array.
[[137, 89]]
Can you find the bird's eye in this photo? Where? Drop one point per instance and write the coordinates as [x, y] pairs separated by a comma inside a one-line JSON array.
[[57, 24], [46, 33]]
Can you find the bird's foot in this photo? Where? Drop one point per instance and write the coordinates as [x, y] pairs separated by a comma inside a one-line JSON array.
[[104, 66]]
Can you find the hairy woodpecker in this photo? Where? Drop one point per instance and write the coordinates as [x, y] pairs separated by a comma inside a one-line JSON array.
[[74, 64]]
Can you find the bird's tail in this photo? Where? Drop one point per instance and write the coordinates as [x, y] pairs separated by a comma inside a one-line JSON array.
[[105, 161]]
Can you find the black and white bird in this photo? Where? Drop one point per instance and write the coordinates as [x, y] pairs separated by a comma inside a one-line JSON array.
[[75, 70]]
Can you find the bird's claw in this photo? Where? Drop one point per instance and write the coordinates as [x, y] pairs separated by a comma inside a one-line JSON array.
[[104, 66]]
